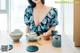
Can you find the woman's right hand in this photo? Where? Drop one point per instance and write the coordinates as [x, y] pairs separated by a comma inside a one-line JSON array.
[[27, 29]]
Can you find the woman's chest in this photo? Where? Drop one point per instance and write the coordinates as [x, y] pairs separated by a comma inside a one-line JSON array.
[[39, 15]]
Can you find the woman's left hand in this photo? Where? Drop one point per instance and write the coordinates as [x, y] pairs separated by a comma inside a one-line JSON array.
[[46, 36]]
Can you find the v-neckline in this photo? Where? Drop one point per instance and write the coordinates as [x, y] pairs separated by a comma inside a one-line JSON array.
[[42, 19]]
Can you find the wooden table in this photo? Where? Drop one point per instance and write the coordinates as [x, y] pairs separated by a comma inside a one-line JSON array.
[[44, 46]]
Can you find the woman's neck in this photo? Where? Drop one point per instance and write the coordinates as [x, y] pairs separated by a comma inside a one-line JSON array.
[[39, 6]]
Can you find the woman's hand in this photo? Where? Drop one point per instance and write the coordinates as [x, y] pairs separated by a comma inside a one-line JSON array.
[[47, 35], [27, 29]]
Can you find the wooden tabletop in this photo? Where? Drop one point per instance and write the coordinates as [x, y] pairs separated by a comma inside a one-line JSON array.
[[44, 46]]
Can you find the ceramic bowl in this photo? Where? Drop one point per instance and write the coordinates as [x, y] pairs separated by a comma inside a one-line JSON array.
[[16, 35]]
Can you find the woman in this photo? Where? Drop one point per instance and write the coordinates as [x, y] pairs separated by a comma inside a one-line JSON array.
[[40, 18]]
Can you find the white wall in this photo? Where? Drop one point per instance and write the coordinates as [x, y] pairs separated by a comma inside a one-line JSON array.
[[3, 22], [68, 20], [17, 14]]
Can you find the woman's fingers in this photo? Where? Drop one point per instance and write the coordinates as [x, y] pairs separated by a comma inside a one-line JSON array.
[[46, 36]]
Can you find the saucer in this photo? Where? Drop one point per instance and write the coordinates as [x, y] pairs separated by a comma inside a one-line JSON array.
[[32, 48]]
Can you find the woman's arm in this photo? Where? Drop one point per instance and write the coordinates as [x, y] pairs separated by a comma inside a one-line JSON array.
[[53, 23], [49, 31], [26, 18]]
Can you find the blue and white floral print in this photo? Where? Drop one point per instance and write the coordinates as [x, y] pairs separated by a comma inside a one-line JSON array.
[[49, 21]]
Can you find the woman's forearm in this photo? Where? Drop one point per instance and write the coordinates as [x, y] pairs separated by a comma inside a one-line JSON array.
[[49, 32]]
